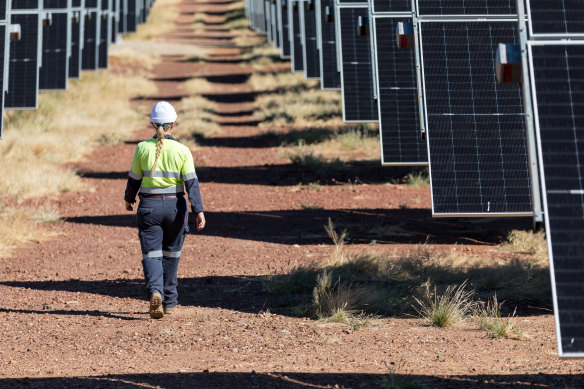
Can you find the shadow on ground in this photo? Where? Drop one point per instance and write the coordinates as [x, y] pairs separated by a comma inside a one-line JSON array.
[[306, 226], [294, 380]]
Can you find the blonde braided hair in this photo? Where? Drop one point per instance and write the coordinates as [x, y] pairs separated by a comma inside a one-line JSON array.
[[160, 128]]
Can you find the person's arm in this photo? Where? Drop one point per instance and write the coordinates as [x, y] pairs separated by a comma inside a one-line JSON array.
[[134, 182], [191, 181]]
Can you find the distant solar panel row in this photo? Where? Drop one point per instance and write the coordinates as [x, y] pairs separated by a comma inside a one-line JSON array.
[[44, 43]]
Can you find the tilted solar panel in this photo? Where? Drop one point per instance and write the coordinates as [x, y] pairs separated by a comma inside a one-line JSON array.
[[558, 89], [90, 54], [3, 64], [275, 26], [268, 16], [475, 127], [285, 28], [115, 18], [295, 36], [55, 4], [131, 16], [556, 17], [54, 72], [467, 7], [77, 3], [399, 122], [330, 75], [104, 34], [4, 12], [23, 72], [359, 103], [392, 6], [310, 55], [77, 21]]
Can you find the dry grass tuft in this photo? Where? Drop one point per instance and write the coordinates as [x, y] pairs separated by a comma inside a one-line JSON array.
[[446, 309], [526, 242], [281, 82], [488, 317], [17, 227], [195, 118], [196, 86], [133, 59], [162, 20]]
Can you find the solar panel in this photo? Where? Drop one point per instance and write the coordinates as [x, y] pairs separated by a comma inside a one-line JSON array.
[[25, 4], [558, 85], [104, 34], [392, 6], [476, 134], [310, 55], [399, 124], [131, 16], [77, 21], [275, 26], [3, 65], [549, 17], [54, 72], [115, 19], [467, 7], [329, 72], [268, 16], [23, 72], [91, 36], [285, 28], [295, 36], [359, 103], [4, 12]]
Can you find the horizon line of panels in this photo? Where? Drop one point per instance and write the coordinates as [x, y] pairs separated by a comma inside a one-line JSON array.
[[48, 42], [437, 102]]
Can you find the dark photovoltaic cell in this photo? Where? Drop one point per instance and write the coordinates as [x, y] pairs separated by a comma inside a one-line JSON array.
[[295, 37], [558, 74], [556, 17], [467, 7], [89, 58], [55, 4], [392, 5], [330, 75], [359, 103], [115, 21], [2, 65], [75, 58], [476, 133], [310, 50], [76, 3], [53, 73], [351, 1], [275, 26], [285, 29], [25, 4], [398, 98], [104, 39], [23, 71], [268, 16], [3, 13]]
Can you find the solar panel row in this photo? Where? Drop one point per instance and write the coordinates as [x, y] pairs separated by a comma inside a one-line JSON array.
[[44, 43]]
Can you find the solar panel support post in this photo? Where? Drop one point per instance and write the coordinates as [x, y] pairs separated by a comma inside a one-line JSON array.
[[529, 124], [373, 51], [420, 83]]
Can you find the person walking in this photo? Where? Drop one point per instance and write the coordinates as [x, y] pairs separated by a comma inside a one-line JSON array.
[[162, 169]]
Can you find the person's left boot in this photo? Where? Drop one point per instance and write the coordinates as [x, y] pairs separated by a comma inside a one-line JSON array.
[[156, 311], [169, 310]]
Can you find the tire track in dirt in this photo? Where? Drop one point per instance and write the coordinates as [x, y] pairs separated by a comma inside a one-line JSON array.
[[72, 310]]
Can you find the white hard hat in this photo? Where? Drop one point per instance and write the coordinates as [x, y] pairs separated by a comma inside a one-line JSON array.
[[163, 112]]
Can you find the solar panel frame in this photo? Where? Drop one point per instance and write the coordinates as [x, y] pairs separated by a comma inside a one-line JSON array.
[[284, 30], [548, 14], [563, 216], [395, 140], [28, 71], [4, 60], [296, 59], [355, 117], [465, 9], [310, 56], [327, 47], [54, 71], [445, 190]]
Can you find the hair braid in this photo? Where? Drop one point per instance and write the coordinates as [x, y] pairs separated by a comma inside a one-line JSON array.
[[159, 144]]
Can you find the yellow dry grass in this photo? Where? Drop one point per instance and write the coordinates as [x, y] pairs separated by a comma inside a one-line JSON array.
[[281, 82], [95, 109], [163, 16], [128, 58], [196, 86], [195, 118]]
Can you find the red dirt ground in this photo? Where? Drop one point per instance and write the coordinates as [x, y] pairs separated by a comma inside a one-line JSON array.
[[72, 309]]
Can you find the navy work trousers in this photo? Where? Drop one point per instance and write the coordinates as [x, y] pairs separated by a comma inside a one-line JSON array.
[[162, 225]]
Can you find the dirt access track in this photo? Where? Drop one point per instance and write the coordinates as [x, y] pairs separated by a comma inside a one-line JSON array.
[[73, 313]]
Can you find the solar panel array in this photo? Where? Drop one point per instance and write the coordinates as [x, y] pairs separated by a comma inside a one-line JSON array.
[[309, 43], [44, 43], [553, 79]]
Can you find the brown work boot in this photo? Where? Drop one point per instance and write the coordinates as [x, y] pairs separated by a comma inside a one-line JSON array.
[[156, 311], [169, 310]]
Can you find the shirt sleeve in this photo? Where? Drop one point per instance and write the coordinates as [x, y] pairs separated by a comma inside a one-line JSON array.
[[189, 176], [134, 179]]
